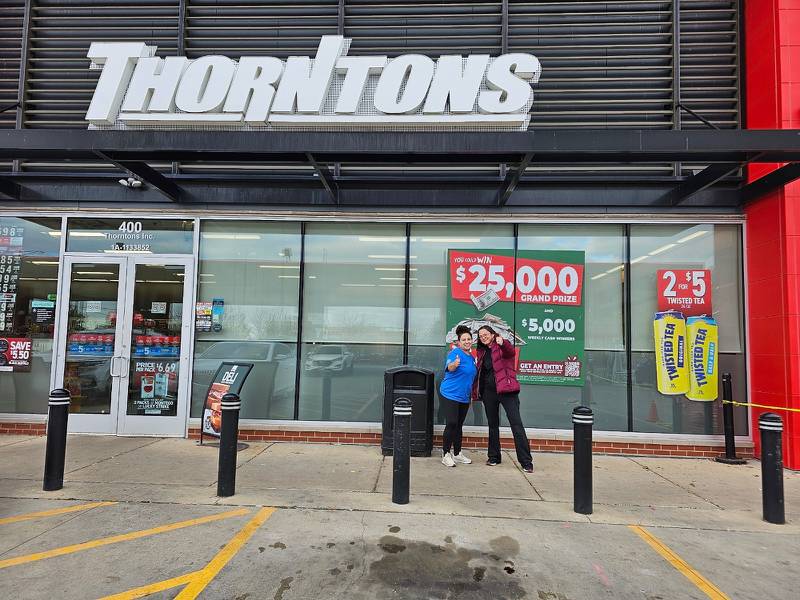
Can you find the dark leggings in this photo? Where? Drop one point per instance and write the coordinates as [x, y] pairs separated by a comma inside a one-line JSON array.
[[510, 402], [454, 414]]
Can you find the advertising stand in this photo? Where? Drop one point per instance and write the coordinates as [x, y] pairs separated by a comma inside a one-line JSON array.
[[229, 379]]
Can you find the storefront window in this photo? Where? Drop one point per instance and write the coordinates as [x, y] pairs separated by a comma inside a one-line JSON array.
[[29, 250], [248, 290], [715, 249], [605, 380], [428, 325], [353, 318]]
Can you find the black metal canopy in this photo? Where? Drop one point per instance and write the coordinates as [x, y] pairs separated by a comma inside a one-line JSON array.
[[383, 183]]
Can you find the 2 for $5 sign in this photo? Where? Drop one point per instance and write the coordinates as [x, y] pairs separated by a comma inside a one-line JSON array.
[[685, 290]]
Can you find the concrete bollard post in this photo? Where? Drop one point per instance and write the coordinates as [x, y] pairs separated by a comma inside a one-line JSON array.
[[228, 444], [771, 428], [55, 454], [582, 420], [401, 459]]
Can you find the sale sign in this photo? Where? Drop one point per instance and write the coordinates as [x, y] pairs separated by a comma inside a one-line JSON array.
[[15, 354], [684, 290], [533, 299]]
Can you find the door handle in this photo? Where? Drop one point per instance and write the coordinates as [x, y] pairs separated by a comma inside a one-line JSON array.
[[114, 364]]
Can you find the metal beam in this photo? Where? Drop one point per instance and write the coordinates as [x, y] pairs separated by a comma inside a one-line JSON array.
[[769, 183], [10, 188], [325, 177], [572, 146], [512, 179], [147, 174], [697, 183]]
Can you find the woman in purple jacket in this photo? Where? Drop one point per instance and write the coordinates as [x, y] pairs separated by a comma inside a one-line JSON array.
[[497, 384]]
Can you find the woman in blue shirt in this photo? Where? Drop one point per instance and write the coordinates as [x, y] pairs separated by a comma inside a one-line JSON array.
[[454, 396]]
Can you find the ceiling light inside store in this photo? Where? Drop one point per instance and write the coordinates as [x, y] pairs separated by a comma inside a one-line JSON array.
[[53, 233], [95, 280], [206, 274], [278, 266], [394, 269], [452, 240], [638, 259], [617, 268], [44, 262], [392, 256], [692, 236], [599, 276], [426, 285], [662, 249], [94, 273], [231, 236], [288, 276], [86, 234], [391, 285], [357, 284], [383, 238], [396, 278]]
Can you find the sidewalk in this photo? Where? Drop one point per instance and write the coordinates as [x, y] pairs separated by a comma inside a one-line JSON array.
[[709, 513]]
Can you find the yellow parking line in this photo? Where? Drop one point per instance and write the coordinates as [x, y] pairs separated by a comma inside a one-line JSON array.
[[152, 588], [217, 563], [134, 535], [53, 512], [676, 561]]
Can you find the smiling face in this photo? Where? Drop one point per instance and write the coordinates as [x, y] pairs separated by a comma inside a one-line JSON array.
[[465, 342], [485, 336]]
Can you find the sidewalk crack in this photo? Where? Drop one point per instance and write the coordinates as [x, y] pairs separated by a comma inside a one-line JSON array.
[[516, 464], [665, 478], [378, 477]]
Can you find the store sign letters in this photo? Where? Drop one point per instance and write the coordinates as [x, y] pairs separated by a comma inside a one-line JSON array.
[[136, 88]]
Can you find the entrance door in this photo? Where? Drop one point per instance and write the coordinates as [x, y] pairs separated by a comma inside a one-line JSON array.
[[123, 352]]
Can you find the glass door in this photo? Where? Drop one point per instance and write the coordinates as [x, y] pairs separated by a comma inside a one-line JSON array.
[[157, 333], [124, 351]]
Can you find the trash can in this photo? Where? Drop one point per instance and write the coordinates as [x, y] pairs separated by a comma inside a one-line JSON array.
[[416, 385]]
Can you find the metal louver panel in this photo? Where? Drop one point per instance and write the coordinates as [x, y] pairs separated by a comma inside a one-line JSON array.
[[12, 14], [604, 64], [235, 28], [423, 26], [60, 84], [709, 47]]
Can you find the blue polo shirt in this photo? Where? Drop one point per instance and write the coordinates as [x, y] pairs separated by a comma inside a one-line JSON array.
[[457, 385]]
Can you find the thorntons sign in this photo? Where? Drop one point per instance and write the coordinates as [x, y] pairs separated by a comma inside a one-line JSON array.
[[412, 91]]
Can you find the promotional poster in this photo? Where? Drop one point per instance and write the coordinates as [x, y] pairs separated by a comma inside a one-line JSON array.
[[229, 378], [703, 342], [672, 373], [534, 300], [15, 354]]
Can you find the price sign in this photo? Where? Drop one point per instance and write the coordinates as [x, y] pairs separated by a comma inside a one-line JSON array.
[[684, 290], [15, 354]]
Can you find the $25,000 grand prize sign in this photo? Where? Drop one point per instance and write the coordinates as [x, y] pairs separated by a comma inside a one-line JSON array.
[[534, 300]]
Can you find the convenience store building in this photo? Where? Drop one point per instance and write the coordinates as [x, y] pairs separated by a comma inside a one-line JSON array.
[[147, 239]]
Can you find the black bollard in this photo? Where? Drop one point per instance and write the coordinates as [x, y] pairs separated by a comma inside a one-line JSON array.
[[582, 419], [228, 443], [58, 412], [401, 467], [771, 468], [730, 457]]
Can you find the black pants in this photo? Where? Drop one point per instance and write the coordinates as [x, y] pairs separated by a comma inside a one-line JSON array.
[[454, 414], [510, 403]]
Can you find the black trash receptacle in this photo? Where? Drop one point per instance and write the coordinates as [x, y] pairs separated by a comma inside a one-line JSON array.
[[416, 385]]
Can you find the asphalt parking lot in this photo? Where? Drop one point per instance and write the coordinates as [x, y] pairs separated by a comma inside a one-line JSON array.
[[313, 521]]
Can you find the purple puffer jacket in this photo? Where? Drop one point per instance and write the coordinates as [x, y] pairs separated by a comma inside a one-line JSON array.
[[503, 358]]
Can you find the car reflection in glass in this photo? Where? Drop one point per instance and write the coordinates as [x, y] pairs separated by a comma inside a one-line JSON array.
[[329, 359], [270, 383]]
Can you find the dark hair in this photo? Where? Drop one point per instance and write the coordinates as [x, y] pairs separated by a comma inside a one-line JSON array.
[[461, 330], [490, 330]]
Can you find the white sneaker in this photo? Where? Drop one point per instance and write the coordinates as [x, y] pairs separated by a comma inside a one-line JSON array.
[[460, 458], [447, 460]]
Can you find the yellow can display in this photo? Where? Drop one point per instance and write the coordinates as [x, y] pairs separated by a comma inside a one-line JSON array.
[[703, 338], [672, 373]]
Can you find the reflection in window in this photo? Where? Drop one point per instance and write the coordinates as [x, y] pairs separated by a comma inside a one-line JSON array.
[[353, 318], [29, 264], [252, 271]]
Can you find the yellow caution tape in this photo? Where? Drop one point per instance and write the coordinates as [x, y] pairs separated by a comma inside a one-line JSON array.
[[760, 405]]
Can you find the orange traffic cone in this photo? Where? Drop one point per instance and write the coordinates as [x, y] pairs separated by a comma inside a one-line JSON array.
[[653, 416]]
